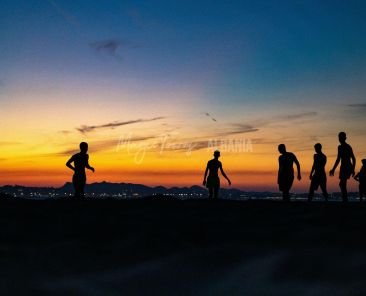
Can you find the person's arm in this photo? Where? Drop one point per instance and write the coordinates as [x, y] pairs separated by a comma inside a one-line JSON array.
[[68, 163], [298, 168], [223, 173], [88, 166], [205, 176], [331, 173], [312, 169], [353, 158]]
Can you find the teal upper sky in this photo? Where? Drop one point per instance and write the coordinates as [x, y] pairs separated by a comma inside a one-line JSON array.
[[243, 52]]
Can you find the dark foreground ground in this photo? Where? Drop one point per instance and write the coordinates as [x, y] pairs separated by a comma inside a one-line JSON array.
[[152, 247]]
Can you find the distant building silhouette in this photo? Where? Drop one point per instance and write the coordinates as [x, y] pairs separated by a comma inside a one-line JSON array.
[[348, 164], [212, 182], [286, 171], [81, 162], [361, 178], [318, 175]]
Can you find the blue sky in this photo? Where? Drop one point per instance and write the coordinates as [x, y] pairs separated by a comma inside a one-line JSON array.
[[235, 47]]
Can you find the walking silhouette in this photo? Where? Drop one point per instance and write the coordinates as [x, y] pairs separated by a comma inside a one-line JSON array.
[[286, 171], [213, 180], [318, 176], [348, 164], [361, 178], [81, 161]]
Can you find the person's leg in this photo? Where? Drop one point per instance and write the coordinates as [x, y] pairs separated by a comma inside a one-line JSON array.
[[79, 182], [288, 187], [78, 190], [210, 192], [82, 187], [311, 191], [286, 193], [286, 196], [75, 183], [343, 187], [280, 188], [360, 192], [81, 190], [285, 189], [216, 192], [323, 187]]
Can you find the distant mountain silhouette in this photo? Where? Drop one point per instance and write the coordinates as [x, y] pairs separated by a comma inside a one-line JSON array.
[[143, 190], [127, 190], [130, 190]]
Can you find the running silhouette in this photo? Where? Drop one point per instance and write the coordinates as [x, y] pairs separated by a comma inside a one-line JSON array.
[[318, 176], [361, 178], [348, 164], [81, 161], [213, 180], [286, 171]]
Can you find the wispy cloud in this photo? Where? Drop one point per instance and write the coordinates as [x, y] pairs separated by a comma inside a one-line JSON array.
[[256, 125], [65, 132], [354, 110], [295, 116], [280, 119], [239, 128], [97, 146], [112, 47], [359, 105], [111, 125], [209, 116]]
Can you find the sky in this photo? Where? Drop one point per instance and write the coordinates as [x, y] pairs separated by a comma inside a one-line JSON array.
[[155, 87]]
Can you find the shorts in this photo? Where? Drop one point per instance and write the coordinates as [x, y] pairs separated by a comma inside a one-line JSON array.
[[317, 181], [285, 182], [345, 172], [213, 181]]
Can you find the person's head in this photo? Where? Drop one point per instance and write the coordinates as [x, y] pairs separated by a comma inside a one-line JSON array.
[[216, 154], [363, 162], [342, 137], [84, 147], [282, 148], [318, 147]]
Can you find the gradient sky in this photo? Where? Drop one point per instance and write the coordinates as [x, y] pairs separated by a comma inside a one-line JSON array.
[[151, 85]]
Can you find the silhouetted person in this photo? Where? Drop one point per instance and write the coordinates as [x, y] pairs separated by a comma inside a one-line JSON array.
[[81, 161], [213, 180], [286, 171], [361, 178], [318, 176], [348, 164]]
